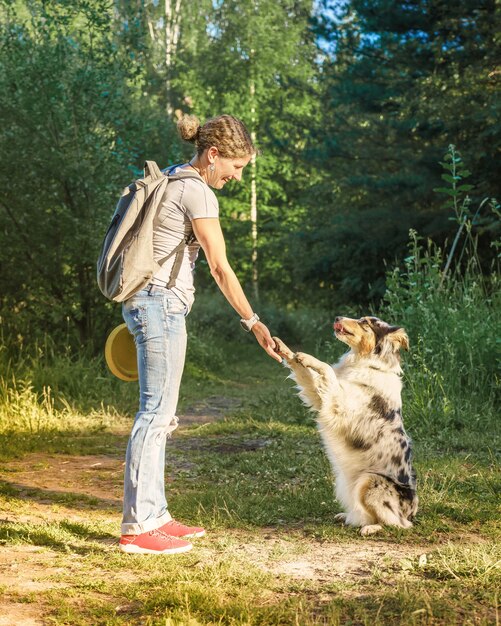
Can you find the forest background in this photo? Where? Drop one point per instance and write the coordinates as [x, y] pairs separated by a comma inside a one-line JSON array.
[[353, 106], [378, 125]]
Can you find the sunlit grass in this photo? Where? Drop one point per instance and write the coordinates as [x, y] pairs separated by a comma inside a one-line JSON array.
[[253, 474], [260, 483]]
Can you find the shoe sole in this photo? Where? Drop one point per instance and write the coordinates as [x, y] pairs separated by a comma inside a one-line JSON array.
[[133, 549]]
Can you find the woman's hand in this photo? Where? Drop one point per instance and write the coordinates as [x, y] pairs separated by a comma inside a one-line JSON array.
[[263, 337]]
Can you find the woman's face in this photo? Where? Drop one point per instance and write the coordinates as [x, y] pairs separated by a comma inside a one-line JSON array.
[[226, 169]]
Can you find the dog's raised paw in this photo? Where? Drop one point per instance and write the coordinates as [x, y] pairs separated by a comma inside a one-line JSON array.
[[302, 358], [282, 349], [340, 518]]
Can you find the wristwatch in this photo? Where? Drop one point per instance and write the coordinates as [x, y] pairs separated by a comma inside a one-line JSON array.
[[248, 324]]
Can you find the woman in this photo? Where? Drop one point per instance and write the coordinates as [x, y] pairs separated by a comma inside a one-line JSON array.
[[156, 318]]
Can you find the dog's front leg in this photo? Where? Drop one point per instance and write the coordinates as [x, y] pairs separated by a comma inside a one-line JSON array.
[[326, 381], [283, 350], [306, 360], [304, 377], [311, 375]]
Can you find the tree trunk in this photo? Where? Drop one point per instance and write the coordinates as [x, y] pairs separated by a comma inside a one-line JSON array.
[[172, 20], [253, 206]]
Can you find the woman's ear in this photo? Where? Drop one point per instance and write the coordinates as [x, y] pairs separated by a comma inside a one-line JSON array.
[[212, 153]]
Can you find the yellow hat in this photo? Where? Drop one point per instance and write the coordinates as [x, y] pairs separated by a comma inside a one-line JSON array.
[[120, 353]]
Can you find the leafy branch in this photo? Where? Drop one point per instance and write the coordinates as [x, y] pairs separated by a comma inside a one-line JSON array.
[[455, 174]]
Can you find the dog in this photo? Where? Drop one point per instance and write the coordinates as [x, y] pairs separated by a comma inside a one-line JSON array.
[[359, 416]]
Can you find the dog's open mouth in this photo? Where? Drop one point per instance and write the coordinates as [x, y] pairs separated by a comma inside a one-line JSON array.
[[340, 330]]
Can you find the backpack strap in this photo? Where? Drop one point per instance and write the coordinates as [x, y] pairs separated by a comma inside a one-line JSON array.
[[178, 261], [182, 173], [186, 241], [152, 169]]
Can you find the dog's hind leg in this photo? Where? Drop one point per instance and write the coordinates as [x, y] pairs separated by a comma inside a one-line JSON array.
[[370, 529], [380, 499]]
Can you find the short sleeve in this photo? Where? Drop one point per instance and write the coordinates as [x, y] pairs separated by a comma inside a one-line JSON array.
[[198, 200]]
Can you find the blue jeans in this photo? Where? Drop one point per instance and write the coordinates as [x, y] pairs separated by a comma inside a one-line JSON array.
[[156, 318]]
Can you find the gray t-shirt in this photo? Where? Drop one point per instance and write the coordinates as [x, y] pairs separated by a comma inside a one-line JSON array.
[[186, 199]]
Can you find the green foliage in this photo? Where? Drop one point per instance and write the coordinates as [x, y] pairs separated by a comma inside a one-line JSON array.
[[70, 103], [45, 392], [465, 215], [451, 375], [400, 81], [451, 312], [213, 320], [350, 106], [269, 81], [63, 99]]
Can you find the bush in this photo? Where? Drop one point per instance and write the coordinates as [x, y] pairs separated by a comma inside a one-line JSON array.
[[451, 314], [452, 378]]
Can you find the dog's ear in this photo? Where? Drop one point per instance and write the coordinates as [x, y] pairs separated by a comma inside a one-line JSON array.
[[398, 337]]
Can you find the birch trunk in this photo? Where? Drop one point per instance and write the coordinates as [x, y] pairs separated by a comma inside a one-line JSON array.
[[253, 205], [172, 20]]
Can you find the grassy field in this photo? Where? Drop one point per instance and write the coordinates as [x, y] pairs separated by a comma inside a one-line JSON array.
[[248, 465]]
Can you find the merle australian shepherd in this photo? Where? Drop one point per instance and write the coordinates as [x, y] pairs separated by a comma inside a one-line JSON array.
[[359, 416]]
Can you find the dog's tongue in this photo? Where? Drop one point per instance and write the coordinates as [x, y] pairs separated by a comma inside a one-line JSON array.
[[338, 326]]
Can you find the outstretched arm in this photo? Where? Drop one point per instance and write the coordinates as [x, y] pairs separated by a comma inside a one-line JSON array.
[[210, 236]]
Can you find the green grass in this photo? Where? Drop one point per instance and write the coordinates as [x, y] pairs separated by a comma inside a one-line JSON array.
[[260, 483]]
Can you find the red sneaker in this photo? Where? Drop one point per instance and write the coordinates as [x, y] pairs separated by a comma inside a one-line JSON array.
[[153, 542], [176, 529]]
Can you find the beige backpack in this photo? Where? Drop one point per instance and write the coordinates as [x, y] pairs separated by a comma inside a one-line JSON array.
[[126, 263]]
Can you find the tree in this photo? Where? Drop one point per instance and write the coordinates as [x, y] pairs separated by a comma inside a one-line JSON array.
[[401, 81], [66, 141], [259, 64]]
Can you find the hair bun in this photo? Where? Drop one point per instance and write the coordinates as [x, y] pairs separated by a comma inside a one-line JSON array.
[[189, 127]]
